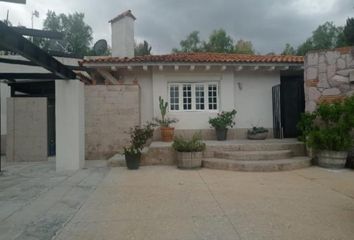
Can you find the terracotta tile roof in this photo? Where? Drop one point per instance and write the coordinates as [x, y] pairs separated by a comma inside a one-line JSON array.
[[199, 58], [127, 13]]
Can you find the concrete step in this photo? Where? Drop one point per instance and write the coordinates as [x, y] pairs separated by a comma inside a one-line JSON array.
[[257, 166], [254, 155]]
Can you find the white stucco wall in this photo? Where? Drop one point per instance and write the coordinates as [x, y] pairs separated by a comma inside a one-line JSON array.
[[123, 37], [253, 101], [5, 93]]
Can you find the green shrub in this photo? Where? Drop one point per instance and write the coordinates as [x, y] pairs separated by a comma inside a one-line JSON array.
[[256, 130], [223, 120], [305, 125], [139, 135], [189, 145], [331, 126]]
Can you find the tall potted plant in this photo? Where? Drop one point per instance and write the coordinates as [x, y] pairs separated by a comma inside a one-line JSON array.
[[331, 134], [222, 122], [139, 135], [167, 132], [189, 152]]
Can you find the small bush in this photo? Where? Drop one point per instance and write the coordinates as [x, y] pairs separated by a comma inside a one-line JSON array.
[[185, 145], [138, 138], [256, 130], [223, 120]]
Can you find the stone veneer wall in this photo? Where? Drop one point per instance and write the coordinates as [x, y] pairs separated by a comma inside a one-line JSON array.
[[329, 76], [110, 110]]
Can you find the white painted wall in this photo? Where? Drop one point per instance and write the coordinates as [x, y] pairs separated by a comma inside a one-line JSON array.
[[70, 124], [5, 93], [254, 101], [123, 37], [196, 119]]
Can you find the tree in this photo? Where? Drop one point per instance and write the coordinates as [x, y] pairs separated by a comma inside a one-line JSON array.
[[191, 44], [244, 47], [142, 49], [77, 34], [348, 32], [219, 42], [326, 36], [288, 50]]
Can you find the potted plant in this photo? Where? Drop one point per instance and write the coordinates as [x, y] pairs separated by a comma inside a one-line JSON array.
[[257, 133], [167, 131], [222, 122], [138, 138], [189, 151], [332, 130]]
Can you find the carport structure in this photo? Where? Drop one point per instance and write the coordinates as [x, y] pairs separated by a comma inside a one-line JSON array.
[[61, 82]]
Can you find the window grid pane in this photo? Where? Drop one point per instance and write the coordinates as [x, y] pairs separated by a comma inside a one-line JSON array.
[[212, 96], [199, 97], [174, 97], [187, 97]]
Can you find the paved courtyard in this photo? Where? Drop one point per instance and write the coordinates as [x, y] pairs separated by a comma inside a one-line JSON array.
[[162, 202]]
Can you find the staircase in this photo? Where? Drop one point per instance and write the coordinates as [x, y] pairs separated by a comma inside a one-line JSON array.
[[257, 156]]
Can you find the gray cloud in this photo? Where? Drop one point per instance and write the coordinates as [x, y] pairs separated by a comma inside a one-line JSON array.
[[268, 24]]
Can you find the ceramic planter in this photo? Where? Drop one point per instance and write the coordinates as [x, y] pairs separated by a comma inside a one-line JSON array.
[[133, 161], [167, 134], [221, 134], [332, 159], [257, 136], [189, 160]]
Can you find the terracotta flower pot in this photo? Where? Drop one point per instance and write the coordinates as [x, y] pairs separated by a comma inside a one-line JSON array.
[[167, 134]]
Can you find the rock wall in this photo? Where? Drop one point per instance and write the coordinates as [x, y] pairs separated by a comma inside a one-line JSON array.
[[329, 76], [110, 110]]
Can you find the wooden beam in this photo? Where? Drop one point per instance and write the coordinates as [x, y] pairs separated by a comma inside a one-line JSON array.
[[272, 68], [223, 68], [160, 67], [176, 67], [191, 68], [31, 76], [114, 69], [145, 67], [130, 68], [107, 76], [38, 33], [255, 68], [207, 67], [285, 68]]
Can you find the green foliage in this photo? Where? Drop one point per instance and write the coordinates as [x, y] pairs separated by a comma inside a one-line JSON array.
[[142, 49], [256, 130], [164, 122], [305, 125], [189, 145], [288, 50], [348, 32], [139, 135], [191, 44], [77, 34], [219, 42], [326, 36], [332, 126], [223, 120], [244, 47]]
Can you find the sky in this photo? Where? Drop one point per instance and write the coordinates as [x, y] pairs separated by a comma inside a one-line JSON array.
[[269, 24]]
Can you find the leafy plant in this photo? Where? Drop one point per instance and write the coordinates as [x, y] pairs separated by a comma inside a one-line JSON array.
[[223, 120], [305, 125], [139, 135], [189, 145], [164, 121], [256, 130], [332, 126]]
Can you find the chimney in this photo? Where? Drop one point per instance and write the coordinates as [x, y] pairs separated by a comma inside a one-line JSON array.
[[123, 35]]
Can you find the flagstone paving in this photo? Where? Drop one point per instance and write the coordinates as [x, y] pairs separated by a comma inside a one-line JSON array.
[[162, 202]]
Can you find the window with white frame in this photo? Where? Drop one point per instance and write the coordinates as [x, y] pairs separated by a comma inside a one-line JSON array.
[[193, 96]]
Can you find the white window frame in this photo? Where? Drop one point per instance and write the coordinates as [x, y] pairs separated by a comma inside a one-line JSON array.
[[193, 85]]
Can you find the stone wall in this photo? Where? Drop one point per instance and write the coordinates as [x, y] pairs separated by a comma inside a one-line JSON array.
[[110, 110], [26, 130], [329, 76]]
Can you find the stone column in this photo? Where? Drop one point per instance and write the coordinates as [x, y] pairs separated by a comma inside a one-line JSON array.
[[70, 124]]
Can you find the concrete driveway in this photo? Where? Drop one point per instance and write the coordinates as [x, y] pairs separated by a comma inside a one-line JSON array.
[[161, 202], [167, 203]]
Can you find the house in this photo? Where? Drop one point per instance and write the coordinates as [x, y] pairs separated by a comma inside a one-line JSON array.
[[200, 85]]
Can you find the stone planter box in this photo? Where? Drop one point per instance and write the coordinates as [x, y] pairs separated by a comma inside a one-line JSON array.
[[189, 160], [332, 159], [258, 136]]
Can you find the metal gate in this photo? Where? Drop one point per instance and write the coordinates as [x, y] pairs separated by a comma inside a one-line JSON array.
[[277, 127]]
